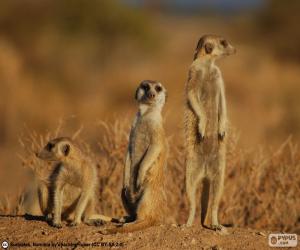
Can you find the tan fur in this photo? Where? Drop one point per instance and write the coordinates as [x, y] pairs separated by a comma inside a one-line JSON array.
[[37, 199], [205, 127], [73, 184], [143, 192]]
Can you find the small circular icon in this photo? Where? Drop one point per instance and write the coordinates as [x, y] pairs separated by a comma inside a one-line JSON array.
[[5, 245], [273, 240]]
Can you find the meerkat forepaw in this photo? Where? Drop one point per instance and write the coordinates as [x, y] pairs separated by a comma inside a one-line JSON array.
[[125, 191], [201, 131], [200, 137], [221, 135]]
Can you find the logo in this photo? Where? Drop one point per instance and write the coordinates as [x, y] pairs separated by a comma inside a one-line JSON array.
[[4, 244], [283, 240]]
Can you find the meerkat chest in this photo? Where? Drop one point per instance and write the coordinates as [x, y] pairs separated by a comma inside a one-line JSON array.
[[208, 90], [73, 176]]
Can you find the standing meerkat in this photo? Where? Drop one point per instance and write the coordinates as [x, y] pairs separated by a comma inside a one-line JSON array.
[[74, 177], [205, 127], [143, 192]]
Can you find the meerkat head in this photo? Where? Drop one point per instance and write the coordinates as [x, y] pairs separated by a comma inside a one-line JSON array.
[[151, 93], [56, 150], [213, 47]]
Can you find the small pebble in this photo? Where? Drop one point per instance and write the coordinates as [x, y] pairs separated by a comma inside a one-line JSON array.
[[193, 241]]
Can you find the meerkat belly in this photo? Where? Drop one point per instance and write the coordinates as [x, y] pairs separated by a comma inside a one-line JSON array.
[[211, 110], [209, 100], [71, 195], [139, 146], [154, 197]]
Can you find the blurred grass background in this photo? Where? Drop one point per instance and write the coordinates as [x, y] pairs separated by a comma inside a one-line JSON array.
[[81, 61]]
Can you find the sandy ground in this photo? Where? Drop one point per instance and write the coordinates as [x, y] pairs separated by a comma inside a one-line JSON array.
[[36, 234]]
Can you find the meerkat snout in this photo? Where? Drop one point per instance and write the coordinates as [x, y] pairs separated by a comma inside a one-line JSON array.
[[150, 95], [151, 92]]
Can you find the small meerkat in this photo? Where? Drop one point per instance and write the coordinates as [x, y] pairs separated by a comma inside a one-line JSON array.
[[74, 177], [205, 127], [143, 192]]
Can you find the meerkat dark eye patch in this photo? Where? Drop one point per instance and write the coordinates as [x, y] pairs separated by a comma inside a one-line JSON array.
[[145, 87], [49, 146], [208, 48], [224, 43], [158, 88], [66, 149]]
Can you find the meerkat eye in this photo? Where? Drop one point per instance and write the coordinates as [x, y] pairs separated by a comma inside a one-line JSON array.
[[208, 48], [158, 88], [49, 146], [224, 43]]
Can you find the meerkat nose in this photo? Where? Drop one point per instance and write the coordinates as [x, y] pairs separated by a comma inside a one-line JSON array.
[[233, 50], [151, 95]]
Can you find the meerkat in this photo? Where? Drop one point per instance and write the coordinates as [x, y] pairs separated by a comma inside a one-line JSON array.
[[205, 128], [143, 193], [74, 177]]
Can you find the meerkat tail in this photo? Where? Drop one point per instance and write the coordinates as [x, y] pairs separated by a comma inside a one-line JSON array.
[[131, 227], [102, 217]]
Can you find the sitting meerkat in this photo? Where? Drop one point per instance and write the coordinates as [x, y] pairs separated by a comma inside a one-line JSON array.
[[205, 127], [73, 181], [143, 192]]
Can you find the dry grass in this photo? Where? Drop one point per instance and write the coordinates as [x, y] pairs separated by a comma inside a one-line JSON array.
[[261, 188]]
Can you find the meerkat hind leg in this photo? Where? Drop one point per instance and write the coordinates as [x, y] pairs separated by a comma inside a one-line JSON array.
[[58, 196], [193, 178], [216, 191], [44, 198], [80, 208]]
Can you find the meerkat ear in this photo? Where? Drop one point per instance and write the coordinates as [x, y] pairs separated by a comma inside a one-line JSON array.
[[66, 149], [196, 54], [136, 94], [198, 47], [208, 48]]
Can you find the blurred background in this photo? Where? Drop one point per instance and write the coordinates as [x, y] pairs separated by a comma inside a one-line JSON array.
[[81, 61]]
